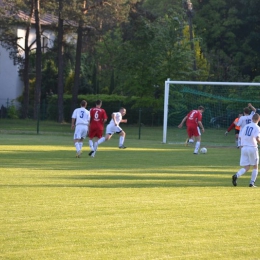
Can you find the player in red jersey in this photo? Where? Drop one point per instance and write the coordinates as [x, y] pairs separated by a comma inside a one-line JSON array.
[[193, 122], [237, 129], [98, 117]]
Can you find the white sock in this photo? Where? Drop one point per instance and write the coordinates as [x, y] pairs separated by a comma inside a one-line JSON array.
[[121, 140], [254, 176], [101, 140], [197, 147], [91, 145], [241, 172], [80, 145], [95, 146], [77, 147], [237, 143]]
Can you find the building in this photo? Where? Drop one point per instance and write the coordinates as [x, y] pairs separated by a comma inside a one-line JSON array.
[[11, 84]]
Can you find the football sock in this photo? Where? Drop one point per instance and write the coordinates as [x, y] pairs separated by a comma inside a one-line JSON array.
[[80, 145], [77, 147], [253, 176], [91, 145], [241, 172], [121, 140], [237, 143], [101, 140], [197, 147], [95, 146]]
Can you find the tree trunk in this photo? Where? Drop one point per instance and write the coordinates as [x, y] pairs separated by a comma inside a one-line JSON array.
[[25, 107], [191, 39], [77, 67], [60, 64], [37, 93]]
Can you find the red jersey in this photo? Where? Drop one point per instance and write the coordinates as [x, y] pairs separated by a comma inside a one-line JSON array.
[[97, 117], [193, 117], [233, 125]]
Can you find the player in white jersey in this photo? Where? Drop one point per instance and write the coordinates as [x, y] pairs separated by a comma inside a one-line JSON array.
[[245, 119], [80, 121], [250, 137], [113, 127]]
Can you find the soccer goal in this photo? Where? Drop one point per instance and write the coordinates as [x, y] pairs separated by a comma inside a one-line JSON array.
[[223, 101]]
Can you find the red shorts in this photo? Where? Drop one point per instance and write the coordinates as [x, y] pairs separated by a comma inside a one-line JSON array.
[[95, 133], [193, 131]]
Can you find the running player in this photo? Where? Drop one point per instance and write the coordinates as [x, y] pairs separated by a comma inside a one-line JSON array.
[[250, 137], [237, 129], [98, 117], [80, 121], [113, 127], [193, 122], [246, 118]]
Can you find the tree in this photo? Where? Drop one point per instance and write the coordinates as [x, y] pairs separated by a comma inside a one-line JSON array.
[[230, 46], [37, 93], [60, 63], [26, 63], [143, 53], [99, 15], [80, 31], [9, 40], [163, 7]]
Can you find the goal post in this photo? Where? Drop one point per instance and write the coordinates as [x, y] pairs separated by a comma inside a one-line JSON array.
[[250, 95]]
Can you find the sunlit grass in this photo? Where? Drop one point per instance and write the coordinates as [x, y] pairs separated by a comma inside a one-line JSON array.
[[149, 201]]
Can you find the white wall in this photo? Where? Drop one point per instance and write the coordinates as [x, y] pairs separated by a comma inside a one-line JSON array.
[[11, 86]]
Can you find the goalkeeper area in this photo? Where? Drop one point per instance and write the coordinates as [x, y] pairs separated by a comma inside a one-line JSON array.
[[223, 101]]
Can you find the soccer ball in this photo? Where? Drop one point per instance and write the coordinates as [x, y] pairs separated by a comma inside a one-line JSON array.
[[203, 150]]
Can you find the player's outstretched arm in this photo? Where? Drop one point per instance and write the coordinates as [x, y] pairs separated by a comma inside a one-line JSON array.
[[201, 126], [73, 120], [252, 107], [114, 118], [182, 122], [233, 125]]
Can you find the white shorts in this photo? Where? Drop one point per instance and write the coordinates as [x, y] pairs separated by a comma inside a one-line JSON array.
[[81, 132], [111, 129], [249, 156]]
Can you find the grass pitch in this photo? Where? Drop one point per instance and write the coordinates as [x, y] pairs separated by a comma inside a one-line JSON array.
[[150, 201]]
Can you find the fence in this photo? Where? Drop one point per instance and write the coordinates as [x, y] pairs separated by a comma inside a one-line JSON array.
[[135, 116]]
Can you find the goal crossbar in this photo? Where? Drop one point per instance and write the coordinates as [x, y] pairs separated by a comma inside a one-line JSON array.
[[170, 82]]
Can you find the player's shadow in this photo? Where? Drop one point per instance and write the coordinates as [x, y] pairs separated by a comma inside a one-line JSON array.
[[145, 180], [140, 175]]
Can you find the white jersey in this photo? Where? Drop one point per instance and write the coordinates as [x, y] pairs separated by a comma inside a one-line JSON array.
[[244, 120], [81, 115], [118, 118], [249, 134]]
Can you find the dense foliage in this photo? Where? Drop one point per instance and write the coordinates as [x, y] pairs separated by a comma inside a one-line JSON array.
[[131, 47], [230, 35]]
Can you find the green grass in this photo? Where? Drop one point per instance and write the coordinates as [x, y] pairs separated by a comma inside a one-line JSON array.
[[150, 201]]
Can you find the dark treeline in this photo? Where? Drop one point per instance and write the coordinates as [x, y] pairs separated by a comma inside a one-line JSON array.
[[130, 47]]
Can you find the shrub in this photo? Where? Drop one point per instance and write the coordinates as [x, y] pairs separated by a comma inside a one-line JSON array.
[[12, 111]]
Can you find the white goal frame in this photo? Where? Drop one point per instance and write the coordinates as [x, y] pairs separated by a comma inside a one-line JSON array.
[[169, 82]]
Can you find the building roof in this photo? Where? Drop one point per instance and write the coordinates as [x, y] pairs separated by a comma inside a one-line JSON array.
[[45, 19]]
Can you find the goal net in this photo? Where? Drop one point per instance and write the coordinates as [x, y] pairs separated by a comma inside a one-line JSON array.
[[223, 101]]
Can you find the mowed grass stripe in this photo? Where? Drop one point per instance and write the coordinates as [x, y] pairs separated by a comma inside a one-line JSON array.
[[150, 201]]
